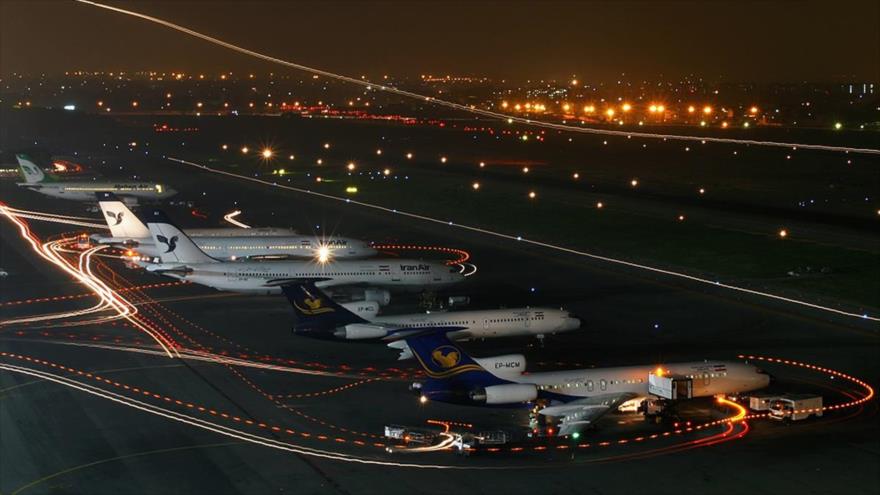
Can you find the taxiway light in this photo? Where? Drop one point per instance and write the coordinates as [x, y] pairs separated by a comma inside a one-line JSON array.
[[224, 147], [475, 185], [350, 166], [482, 164], [379, 152], [575, 176], [291, 157], [838, 126], [409, 156], [387, 171], [634, 182], [442, 159], [600, 205], [244, 149], [783, 233], [423, 399], [525, 170], [532, 195], [326, 146]]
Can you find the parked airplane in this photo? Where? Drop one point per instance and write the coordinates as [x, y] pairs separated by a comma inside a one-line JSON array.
[[317, 315], [182, 259], [127, 230], [35, 179], [578, 397]]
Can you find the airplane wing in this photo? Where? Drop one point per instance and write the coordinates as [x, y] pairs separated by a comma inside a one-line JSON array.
[[581, 413]]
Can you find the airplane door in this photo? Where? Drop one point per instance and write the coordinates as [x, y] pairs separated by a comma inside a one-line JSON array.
[[706, 379], [528, 319], [603, 384]]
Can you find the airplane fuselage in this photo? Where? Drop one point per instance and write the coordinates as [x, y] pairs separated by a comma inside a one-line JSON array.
[[85, 191], [266, 277], [488, 323]]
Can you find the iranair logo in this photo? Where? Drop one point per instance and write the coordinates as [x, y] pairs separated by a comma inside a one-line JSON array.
[[446, 356], [117, 217], [171, 243]]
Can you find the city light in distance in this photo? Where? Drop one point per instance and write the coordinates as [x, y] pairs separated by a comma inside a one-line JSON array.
[[224, 147], [319, 161], [291, 157], [267, 153], [691, 109], [532, 195], [442, 159], [525, 170], [707, 110], [681, 218], [589, 108], [245, 149], [600, 205], [475, 185], [379, 152], [482, 164], [783, 233], [409, 156], [838, 126], [609, 112], [634, 182], [575, 176], [702, 190], [350, 166], [326, 146], [753, 110], [387, 171], [626, 107]]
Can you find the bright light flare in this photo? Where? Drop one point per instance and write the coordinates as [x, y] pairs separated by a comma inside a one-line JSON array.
[[267, 153], [323, 254]]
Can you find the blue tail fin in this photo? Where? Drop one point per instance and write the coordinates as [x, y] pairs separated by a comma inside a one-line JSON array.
[[444, 361], [314, 310]]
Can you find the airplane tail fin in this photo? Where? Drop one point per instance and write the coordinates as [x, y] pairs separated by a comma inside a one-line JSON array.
[[174, 245], [314, 311], [122, 221], [445, 361], [32, 173]]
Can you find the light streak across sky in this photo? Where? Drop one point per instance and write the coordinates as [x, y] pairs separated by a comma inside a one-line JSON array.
[[692, 278], [466, 108]]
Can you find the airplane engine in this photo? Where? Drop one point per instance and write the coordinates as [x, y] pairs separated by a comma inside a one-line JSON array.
[[364, 309], [359, 331], [510, 393], [506, 366], [381, 296]]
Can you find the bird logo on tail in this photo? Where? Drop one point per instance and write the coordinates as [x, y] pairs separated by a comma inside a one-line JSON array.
[[446, 356], [116, 217], [171, 243]]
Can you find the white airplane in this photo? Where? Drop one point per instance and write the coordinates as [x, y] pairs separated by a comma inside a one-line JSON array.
[[317, 315], [182, 259], [127, 230], [35, 179], [578, 397]]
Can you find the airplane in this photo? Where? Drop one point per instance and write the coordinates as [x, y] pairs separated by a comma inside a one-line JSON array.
[[36, 180], [182, 259], [578, 397], [128, 231], [317, 315]]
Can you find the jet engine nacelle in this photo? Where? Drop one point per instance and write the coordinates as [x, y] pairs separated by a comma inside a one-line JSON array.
[[507, 366], [380, 296], [359, 331], [365, 309], [510, 393]]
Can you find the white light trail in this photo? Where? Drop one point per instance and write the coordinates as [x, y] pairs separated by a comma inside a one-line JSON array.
[[230, 217], [466, 108], [215, 427], [564, 249], [84, 275]]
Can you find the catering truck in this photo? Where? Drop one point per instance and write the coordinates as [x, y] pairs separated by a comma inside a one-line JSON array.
[[795, 407]]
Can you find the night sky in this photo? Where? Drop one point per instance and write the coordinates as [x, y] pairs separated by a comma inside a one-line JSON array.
[[786, 41]]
